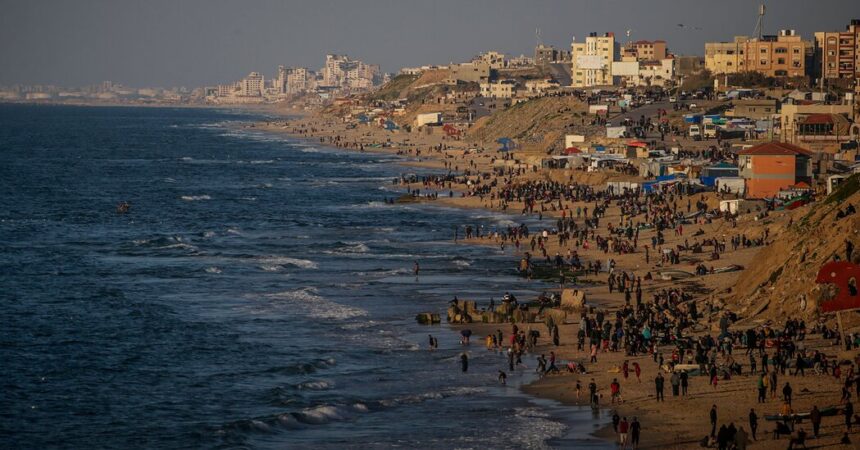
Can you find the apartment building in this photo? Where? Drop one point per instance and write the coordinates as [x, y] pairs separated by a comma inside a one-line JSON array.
[[251, 86], [837, 53], [646, 50], [591, 61], [783, 55]]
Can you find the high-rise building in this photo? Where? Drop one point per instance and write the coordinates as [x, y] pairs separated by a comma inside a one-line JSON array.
[[837, 53], [251, 86], [591, 61]]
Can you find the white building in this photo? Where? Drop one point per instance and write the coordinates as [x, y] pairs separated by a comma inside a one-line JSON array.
[[591, 61]]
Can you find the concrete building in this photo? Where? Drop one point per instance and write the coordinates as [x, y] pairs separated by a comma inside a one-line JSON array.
[[783, 55], [646, 50], [821, 128], [251, 86], [725, 57], [591, 61], [298, 80], [837, 55], [773, 166], [499, 89], [753, 109], [473, 72], [494, 59], [547, 54]]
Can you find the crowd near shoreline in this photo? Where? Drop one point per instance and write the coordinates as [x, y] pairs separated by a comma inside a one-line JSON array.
[[674, 364]]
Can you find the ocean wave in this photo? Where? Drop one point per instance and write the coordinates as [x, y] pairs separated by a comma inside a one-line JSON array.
[[213, 269], [316, 385], [462, 263], [272, 261], [348, 247], [309, 300], [194, 198], [232, 230]]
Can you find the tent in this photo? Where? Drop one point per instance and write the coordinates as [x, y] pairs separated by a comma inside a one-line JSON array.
[[572, 151], [507, 144]]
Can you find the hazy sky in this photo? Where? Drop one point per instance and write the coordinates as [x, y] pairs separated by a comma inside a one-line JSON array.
[[203, 42]]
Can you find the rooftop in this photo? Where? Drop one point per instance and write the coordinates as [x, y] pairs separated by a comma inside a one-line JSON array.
[[775, 148]]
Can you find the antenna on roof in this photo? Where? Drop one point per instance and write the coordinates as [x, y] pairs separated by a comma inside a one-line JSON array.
[[538, 37], [759, 26]]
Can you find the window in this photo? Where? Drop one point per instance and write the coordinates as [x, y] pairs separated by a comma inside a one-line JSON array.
[[780, 73], [763, 50], [763, 62], [780, 60], [796, 50], [730, 52], [781, 50]]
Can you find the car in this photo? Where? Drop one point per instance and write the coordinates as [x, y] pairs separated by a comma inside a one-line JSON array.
[[693, 106], [649, 101], [672, 99]]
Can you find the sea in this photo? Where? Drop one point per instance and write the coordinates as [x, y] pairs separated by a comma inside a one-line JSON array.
[[258, 294]]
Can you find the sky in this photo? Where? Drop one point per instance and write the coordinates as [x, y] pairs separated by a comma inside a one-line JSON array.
[[193, 43]]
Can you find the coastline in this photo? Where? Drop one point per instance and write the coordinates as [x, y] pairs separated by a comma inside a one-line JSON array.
[[688, 424]]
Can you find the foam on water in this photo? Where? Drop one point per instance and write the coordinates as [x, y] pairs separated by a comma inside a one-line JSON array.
[[308, 300], [195, 198], [272, 261]]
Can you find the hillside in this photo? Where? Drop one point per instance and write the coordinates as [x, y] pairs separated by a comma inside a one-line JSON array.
[[535, 124], [783, 273]]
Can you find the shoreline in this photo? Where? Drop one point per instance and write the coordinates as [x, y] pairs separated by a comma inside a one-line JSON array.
[[600, 425], [688, 424]]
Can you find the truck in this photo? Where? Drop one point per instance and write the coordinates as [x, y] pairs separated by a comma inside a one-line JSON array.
[[709, 130]]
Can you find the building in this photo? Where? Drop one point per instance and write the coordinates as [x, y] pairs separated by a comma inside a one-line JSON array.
[[494, 59], [773, 166], [783, 55], [725, 57], [591, 61], [342, 72], [657, 72], [837, 55], [472, 72], [689, 65], [547, 54], [298, 80], [819, 127], [753, 109], [646, 50], [251, 86], [499, 89]]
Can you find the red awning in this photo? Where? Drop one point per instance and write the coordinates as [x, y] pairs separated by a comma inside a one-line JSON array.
[[572, 151], [637, 144]]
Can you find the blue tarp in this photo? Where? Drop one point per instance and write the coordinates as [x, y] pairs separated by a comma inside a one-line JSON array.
[[709, 181], [674, 176]]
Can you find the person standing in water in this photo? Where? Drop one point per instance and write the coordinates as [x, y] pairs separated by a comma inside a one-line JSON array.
[[416, 268], [464, 363]]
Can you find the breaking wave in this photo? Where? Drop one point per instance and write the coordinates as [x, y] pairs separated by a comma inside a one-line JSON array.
[[194, 198], [309, 300]]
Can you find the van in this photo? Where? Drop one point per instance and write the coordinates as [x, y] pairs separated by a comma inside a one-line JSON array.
[[695, 132], [709, 131]]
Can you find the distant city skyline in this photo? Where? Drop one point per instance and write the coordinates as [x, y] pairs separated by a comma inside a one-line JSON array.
[[196, 42]]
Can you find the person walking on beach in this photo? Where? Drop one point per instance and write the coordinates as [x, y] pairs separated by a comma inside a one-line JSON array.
[[786, 393], [503, 377], [659, 382], [848, 411], [623, 428], [675, 380], [753, 417], [592, 393], [615, 389], [685, 382], [638, 371], [713, 417], [815, 420], [635, 431], [762, 388]]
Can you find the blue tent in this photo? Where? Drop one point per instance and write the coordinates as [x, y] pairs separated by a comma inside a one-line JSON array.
[[389, 125], [507, 144]]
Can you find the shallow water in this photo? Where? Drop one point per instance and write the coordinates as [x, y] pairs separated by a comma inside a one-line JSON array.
[[259, 294]]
